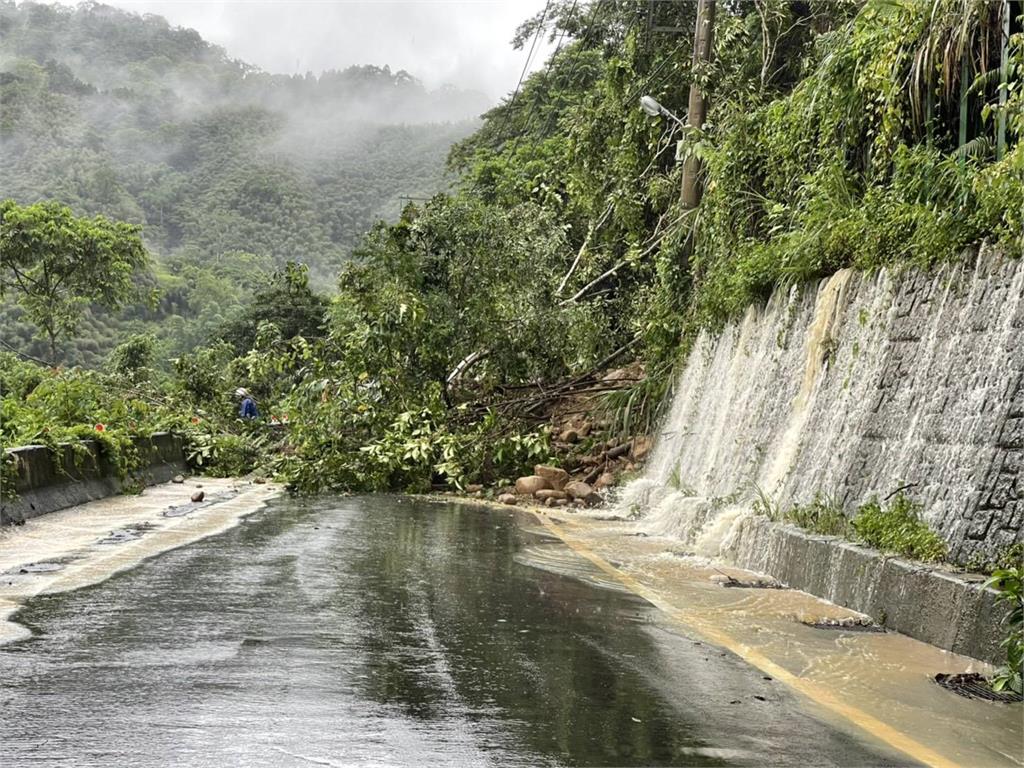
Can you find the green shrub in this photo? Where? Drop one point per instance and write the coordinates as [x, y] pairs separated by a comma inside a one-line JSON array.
[[1009, 584], [899, 529], [134, 357], [1004, 559], [233, 455], [824, 515]]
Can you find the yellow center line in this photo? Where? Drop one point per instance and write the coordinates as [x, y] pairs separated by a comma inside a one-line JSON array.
[[754, 657]]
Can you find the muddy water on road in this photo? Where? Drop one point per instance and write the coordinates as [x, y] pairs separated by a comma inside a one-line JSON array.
[[882, 682], [388, 631]]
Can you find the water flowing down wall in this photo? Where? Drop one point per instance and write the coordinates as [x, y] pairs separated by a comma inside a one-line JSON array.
[[852, 388]]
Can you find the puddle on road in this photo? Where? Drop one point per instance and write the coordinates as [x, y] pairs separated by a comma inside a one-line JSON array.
[[128, 533]]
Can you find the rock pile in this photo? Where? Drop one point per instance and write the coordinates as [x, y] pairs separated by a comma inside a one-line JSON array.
[[590, 460]]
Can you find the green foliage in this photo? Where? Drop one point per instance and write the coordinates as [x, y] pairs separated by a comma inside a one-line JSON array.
[[287, 302], [850, 168], [1004, 559], [636, 409], [54, 407], [202, 375], [823, 515], [1009, 586], [458, 278], [898, 528], [133, 358], [833, 141], [233, 455], [895, 527], [676, 482], [415, 452], [57, 264], [764, 504]]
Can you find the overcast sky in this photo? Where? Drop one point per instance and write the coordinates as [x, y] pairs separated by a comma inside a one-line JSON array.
[[463, 42]]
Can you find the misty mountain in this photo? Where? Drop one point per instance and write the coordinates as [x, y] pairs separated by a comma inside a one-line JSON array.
[[231, 171]]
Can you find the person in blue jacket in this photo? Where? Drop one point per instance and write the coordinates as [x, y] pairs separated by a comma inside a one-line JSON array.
[[247, 410]]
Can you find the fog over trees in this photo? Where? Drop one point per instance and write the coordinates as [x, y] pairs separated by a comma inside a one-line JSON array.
[[231, 171]]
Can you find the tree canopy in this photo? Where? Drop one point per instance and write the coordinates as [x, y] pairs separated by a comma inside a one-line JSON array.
[[57, 264]]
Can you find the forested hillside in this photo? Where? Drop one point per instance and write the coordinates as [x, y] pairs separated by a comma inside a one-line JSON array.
[[232, 172], [839, 134]]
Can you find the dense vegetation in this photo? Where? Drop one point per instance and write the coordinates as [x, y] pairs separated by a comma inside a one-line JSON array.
[[839, 134], [230, 171]]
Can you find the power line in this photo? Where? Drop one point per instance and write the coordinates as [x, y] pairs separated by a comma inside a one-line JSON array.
[[637, 87], [526, 67], [572, 70]]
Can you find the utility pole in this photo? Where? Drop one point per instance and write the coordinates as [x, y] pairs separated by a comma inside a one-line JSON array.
[[702, 40]]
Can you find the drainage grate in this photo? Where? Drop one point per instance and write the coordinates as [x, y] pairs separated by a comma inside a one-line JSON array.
[[974, 686], [845, 625]]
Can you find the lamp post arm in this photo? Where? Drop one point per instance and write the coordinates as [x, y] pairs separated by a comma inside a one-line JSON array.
[[672, 115]]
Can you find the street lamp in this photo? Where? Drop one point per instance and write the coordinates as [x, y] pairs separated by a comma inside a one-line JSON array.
[[651, 106]]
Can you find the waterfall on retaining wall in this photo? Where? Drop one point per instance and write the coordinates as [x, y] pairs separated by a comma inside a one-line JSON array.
[[851, 388]]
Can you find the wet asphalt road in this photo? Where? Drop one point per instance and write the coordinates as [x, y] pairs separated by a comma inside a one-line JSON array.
[[385, 631]]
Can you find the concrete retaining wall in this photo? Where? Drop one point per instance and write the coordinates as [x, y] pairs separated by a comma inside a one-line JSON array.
[[852, 388], [946, 609], [50, 480]]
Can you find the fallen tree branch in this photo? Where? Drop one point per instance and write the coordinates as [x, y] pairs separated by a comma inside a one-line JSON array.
[[583, 248], [465, 364], [902, 488]]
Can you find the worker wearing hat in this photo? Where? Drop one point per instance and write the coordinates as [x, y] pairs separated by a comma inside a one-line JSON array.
[[247, 410]]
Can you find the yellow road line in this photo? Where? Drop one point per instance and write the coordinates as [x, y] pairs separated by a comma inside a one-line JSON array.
[[754, 657]]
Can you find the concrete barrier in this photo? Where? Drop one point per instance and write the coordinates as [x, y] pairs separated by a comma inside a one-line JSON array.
[[49, 480], [947, 609]]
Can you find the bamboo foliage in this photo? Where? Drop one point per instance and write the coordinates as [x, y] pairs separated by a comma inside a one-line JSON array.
[[959, 36]]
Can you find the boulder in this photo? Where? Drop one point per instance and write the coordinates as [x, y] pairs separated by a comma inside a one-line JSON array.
[[529, 485], [577, 489], [581, 493], [561, 502], [569, 436], [179, 479], [474, 488], [550, 493], [641, 447], [606, 480], [556, 476], [507, 498], [198, 496]]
